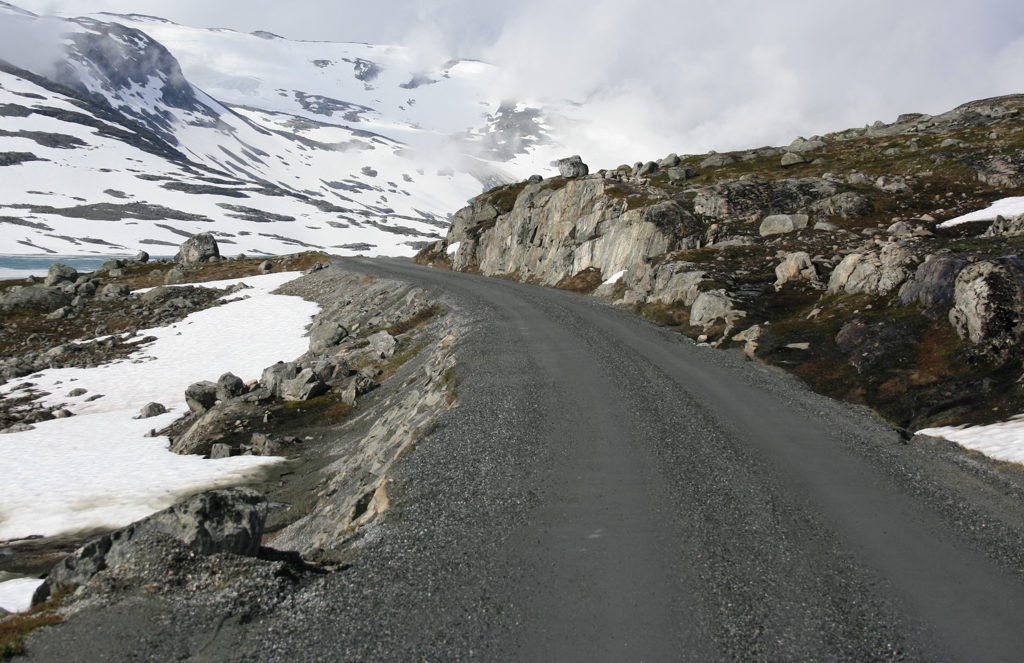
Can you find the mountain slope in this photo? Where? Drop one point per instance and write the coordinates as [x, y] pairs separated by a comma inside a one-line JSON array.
[[345, 147]]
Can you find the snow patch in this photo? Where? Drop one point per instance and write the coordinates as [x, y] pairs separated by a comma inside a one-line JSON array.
[[614, 278], [98, 470], [16, 595], [1005, 207], [452, 248], [1002, 441]]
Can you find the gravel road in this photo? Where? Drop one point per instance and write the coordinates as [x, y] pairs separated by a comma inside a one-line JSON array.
[[607, 490]]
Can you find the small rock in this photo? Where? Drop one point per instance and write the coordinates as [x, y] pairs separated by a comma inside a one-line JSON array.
[[220, 450], [325, 336], [60, 273], [142, 256], [266, 267], [151, 410], [115, 291], [782, 223], [534, 179], [77, 392], [791, 159], [229, 386]]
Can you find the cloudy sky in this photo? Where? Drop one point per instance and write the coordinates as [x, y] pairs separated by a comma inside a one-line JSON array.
[[683, 76]]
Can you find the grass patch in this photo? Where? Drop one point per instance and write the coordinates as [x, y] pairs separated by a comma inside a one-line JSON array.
[[16, 628], [417, 320], [450, 379], [584, 282], [396, 360]]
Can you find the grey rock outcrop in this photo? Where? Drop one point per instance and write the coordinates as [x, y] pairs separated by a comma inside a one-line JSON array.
[[572, 167], [197, 249], [873, 272], [796, 266], [710, 307], [988, 303], [218, 521], [274, 376], [304, 386], [1012, 227]]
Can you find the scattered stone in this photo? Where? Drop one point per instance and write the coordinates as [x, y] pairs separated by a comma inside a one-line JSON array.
[[304, 386], [115, 291], [142, 257], [357, 385], [174, 275], [534, 179], [78, 391], [35, 297], [796, 266], [266, 267]]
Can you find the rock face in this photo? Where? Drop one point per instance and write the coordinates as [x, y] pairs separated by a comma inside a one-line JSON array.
[[198, 248], [988, 303], [219, 521], [563, 232], [572, 167]]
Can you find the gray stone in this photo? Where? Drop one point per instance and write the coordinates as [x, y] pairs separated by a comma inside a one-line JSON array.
[[35, 297], [534, 179], [932, 284], [670, 161], [357, 385], [220, 450], [219, 521], [141, 256], [383, 344], [151, 410], [717, 160], [174, 275], [782, 223], [60, 273], [988, 302], [792, 159], [681, 173], [266, 267], [229, 385], [825, 226], [648, 168], [802, 146], [302, 387], [795, 266], [847, 205], [710, 307], [572, 167], [1012, 227], [201, 396], [115, 291], [274, 376], [873, 272], [197, 249], [326, 335]]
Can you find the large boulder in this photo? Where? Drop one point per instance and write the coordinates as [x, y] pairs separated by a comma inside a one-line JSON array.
[[325, 336], [218, 521], [302, 387], [35, 297], [274, 376], [198, 248], [712, 306], [60, 273], [795, 266], [988, 303], [572, 167], [229, 385]]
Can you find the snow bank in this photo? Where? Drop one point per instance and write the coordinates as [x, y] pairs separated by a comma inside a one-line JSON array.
[[97, 470], [452, 248], [16, 595], [1005, 207], [1002, 441], [614, 278]]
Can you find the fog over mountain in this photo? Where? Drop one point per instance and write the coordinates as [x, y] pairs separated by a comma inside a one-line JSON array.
[[681, 76]]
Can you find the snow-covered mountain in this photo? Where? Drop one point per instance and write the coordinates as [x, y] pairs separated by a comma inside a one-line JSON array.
[[138, 131]]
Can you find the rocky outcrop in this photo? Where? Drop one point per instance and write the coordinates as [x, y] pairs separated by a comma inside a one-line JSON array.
[[218, 521], [562, 232], [875, 272], [988, 303], [572, 167], [752, 200]]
